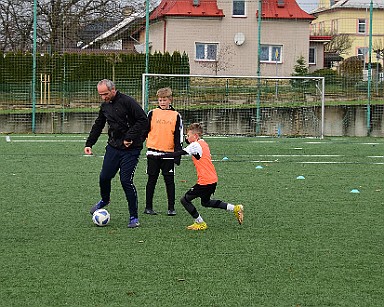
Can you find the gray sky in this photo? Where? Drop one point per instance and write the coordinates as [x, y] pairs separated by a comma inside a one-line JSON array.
[[307, 5]]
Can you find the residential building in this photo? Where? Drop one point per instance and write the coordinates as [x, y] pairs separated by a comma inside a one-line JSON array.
[[221, 37], [352, 17]]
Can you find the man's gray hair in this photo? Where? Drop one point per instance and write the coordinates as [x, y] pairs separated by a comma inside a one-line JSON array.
[[110, 85]]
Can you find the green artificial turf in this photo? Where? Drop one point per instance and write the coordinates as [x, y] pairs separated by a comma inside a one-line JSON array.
[[304, 242]]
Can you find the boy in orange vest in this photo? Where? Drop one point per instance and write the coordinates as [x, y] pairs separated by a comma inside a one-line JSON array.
[[165, 135], [206, 178]]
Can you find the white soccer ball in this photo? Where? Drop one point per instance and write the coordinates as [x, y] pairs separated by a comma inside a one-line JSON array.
[[101, 217]]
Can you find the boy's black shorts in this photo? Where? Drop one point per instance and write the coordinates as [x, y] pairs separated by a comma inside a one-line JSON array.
[[167, 166], [203, 191]]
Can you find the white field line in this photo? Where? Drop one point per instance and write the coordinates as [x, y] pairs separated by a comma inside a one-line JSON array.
[[339, 162], [264, 161], [94, 156], [47, 141], [370, 143], [305, 162], [251, 161], [46, 136], [326, 162], [82, 138], [353, 143], [263, 142], [291, 156]]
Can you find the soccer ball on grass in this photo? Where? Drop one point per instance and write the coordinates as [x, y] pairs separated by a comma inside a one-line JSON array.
[[101, 217]]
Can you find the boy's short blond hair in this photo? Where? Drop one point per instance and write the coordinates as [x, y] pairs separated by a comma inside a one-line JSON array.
[[164, 92], [196, 128]]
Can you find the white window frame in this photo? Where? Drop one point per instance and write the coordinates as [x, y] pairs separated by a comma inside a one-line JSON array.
[[207, 57], [271, 49], [233, 8], [321, 27], [314, 56], [314, 28], [334, 26], [361, 22], [362, 52]]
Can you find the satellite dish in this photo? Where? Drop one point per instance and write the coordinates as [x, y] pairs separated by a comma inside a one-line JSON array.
[[140, 48], [239, 38], [127, 11]]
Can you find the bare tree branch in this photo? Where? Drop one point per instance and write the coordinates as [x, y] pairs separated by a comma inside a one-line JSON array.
[[339, 44], [223, 61], [58, 21]]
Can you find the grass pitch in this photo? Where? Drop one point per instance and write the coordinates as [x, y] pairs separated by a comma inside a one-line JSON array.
[[304, 242]]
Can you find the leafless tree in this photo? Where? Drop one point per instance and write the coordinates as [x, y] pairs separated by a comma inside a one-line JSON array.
[[339, 44], [16, 26], [378, 48], [223, 61], [58, 21]]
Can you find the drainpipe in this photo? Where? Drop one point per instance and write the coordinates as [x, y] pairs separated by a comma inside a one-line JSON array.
[[145, 94], [34, 66], [369, 70], [259, 9], [165, 36]]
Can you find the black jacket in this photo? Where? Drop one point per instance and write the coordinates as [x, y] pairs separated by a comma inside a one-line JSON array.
[[126, 121]]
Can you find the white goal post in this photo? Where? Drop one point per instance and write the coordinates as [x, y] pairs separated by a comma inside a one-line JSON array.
[[244, 105]]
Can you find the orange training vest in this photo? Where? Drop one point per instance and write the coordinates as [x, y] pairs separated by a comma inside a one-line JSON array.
[[206, 172], [162, 130]]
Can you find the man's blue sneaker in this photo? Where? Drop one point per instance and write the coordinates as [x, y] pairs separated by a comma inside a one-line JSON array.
[[99, 205], [133, 222]]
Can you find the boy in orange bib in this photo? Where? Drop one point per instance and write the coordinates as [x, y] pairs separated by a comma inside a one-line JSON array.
[[165, 135], [206, 178]]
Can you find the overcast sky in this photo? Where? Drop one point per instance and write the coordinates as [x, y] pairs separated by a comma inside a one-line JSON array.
[[307, 5]]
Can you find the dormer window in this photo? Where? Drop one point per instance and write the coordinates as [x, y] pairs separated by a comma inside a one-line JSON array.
[[238, 8], [196, 2]]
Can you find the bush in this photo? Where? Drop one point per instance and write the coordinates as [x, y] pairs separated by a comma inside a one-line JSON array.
[[330, 75], [75, 67]]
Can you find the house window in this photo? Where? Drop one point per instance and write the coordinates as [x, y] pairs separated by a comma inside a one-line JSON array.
[[362, 52], [321, 27], [334, 26], [206, 51], [270, 53], [313, 28], [361, 26], [312, 56], [238, 8]]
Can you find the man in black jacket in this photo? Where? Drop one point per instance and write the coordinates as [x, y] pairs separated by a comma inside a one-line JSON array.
[[127, 128]]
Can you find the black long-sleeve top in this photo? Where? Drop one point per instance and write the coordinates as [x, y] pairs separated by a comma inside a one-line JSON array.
[[126, 121]]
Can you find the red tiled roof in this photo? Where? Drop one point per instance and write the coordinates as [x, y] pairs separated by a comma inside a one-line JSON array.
[[283, 9], [277, 9], [186, 8]]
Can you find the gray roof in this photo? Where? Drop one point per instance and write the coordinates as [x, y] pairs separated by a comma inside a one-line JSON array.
[[126, 21], [352, 4], [377, 4]]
